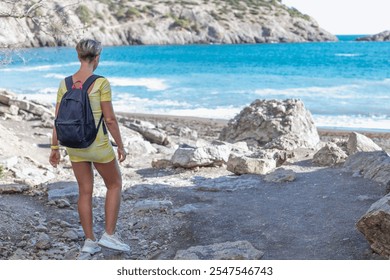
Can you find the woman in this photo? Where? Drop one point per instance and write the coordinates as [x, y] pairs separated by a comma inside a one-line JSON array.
[[100, 153]]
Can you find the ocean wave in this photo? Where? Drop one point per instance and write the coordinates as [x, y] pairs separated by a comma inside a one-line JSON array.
[[337, 92], [215, 113], [131, 103], [353, 122], [348, 54], [54, 76], [37, 68], [152, 84]]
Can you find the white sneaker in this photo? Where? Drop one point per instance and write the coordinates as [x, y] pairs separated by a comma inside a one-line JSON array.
[[113, 242], [91, 247]]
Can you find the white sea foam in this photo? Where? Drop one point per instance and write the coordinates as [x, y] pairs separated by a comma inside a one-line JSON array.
[[353, 122], [37, 68], [131, 103], [348, 54], [54, 76], [336, 92], [152, 84], [215, 113]]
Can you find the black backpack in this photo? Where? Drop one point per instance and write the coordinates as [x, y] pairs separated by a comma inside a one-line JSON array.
[[75, 124]]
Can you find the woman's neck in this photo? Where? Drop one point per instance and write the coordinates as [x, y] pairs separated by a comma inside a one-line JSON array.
[[86, 70]]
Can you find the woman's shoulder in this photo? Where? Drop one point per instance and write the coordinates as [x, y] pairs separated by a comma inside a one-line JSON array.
[[102, 81]]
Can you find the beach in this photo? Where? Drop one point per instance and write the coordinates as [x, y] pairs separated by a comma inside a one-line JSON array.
[[169, 212]]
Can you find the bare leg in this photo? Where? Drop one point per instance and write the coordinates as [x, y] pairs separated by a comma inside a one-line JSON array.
[[84, 176], [112, 178]]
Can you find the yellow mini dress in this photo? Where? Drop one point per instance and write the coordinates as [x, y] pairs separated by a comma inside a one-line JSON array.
[[101, 150]]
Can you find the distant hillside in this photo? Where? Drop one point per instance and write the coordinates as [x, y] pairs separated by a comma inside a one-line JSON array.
[[125, 22], [383, 36]]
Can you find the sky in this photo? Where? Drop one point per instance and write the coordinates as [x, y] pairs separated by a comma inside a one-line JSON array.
[[344, 17]]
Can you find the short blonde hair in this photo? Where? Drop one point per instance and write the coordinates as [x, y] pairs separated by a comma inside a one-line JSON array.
[[88, 49]]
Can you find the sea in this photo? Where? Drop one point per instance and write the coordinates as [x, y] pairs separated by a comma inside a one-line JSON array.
[[345, 84]]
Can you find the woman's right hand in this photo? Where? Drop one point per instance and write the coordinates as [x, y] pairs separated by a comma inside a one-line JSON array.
[[121, 154], [54, 157]]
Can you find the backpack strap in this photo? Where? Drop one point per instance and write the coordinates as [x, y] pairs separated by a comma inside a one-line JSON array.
[[86, 86], [101, 122], [91, 79], [68, 82]]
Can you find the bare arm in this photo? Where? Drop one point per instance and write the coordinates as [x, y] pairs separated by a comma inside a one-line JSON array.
[[55, 156], [113, 127]]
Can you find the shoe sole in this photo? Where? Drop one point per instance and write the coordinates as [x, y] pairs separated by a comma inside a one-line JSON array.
[[92, 251], [112, 248]]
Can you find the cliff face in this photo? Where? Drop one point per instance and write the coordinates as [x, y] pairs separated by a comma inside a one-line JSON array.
[[124, 22]]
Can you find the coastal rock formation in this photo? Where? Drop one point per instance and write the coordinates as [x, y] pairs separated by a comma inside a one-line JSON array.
[[210, 155], [53, 23], [330, 155], [284, 125], [256, 163], [375, 226], [380, 37], [371, 165], [239, 250], [359, 143]]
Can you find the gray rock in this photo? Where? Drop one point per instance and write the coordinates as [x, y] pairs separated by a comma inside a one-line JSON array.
[[71, 235], [13, 188], [251, 164], [162, 163], [152, 205], [359, 143], [149, 132], [284, 125], [43, 241], [60, 190], [330, 155], [19, 254], [375, 226], [380, 37], [238, 250], [280, 175], [62, 203], [211, 155], [6, 96], [41, 228], [371, 165]]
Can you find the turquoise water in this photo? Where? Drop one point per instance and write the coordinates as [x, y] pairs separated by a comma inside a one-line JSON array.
[[344, 84]]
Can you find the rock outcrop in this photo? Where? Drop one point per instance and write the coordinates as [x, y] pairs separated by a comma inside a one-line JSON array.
[[330, 155], [239, 250], [375, 225], [53, 23], [371, 165], [284, 125], [380, 37]]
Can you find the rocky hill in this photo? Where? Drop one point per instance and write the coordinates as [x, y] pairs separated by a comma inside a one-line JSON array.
[[124, 22], [380, 37]]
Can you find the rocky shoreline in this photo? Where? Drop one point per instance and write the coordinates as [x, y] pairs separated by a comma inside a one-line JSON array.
[[188, 194], [143, 22]]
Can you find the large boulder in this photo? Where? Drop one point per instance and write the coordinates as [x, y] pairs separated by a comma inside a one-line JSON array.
[[375, 226], [371, 165], [330, 155], [359, 143], [252, 164], [214, 154], [284, 125]]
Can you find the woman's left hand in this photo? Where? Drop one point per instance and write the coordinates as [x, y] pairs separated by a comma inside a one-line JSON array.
[[54, 158]]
